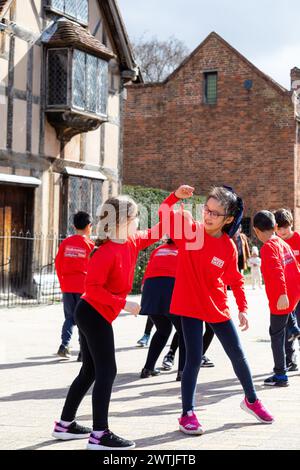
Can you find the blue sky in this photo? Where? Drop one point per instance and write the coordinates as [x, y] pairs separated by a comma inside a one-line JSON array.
[[267, 32]]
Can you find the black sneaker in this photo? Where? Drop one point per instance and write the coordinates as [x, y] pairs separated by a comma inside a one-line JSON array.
[[64, 352], [206, 362], [146, 373], [292, 367], [109, 441], [277, 381], [73, 431]]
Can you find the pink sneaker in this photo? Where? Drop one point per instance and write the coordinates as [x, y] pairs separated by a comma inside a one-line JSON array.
[[189, 424], [258, 410]]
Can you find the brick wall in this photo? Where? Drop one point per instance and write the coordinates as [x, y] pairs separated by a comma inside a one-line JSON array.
[[247, 140]]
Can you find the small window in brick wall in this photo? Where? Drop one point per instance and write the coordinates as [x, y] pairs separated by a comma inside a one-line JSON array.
[[246, 226], [210, 87]]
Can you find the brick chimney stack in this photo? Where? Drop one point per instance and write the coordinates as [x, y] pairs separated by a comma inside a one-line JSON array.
[[295, 78]]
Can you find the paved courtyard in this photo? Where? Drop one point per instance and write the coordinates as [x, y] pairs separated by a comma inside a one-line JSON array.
[[34, 384]]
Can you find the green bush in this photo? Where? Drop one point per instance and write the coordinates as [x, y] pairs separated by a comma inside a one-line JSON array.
[[146, 198]]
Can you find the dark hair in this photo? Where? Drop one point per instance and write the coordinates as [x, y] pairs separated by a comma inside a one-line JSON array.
[[115, 211], [284, 218], [170, 241], [233, 206], [264, 221], [81, 220]]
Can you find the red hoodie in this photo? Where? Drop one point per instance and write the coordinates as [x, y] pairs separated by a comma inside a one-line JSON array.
[[71, 263], [294, 243], [111, 272], [281, 274], [162, 262], [203, 273]]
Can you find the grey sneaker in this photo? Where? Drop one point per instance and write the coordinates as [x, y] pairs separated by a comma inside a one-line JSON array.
[[64, 352]]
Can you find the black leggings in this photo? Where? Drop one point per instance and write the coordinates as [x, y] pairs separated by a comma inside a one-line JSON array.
[[98, 365], [149, 326], [207, 339], [163, 330]]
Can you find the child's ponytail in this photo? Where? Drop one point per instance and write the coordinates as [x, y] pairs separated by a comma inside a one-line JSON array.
[[114, 212]]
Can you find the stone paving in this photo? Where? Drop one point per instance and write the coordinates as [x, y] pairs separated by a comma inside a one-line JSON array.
[[34, 383]]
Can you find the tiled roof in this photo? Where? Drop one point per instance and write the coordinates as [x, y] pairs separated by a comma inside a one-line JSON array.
[[66, 33]]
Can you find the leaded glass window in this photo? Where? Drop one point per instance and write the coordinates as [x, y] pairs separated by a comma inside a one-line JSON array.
[[79, 79], [57, 92], [211, 84], [90, 83], [77, 9], [82, 194], [91, 89], [87, 80], [102, 87], [58, 5]]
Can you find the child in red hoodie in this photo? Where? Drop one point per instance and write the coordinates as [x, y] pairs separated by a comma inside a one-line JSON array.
[[284, 220], [71, 266], [282, 282], [207, 264], [109, 280]]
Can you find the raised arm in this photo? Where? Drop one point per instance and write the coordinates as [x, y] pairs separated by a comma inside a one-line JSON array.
[[145, 238], [176, 224]]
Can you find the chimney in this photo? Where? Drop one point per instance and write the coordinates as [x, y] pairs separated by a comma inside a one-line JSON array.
[[295, 79]]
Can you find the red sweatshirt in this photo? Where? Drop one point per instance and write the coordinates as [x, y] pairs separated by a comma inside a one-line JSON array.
[[294, 243], [71, 263], [111, 272], [203, 273], [162, 262], [281, 274]]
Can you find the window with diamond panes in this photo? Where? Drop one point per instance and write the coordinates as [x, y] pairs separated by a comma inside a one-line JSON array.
[[97, 199], [79, 79], [91, 89], [57, 92], [83, 194], [102, 87], [211, 82], [90, 83], [77, 9]]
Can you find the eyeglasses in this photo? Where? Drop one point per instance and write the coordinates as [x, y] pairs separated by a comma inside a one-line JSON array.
[[212, 214]]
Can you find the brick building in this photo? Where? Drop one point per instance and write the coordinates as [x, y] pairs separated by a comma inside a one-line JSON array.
[[216, 119], [63, 65]]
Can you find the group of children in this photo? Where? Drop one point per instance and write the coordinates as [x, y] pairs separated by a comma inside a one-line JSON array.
[[185, 285]]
